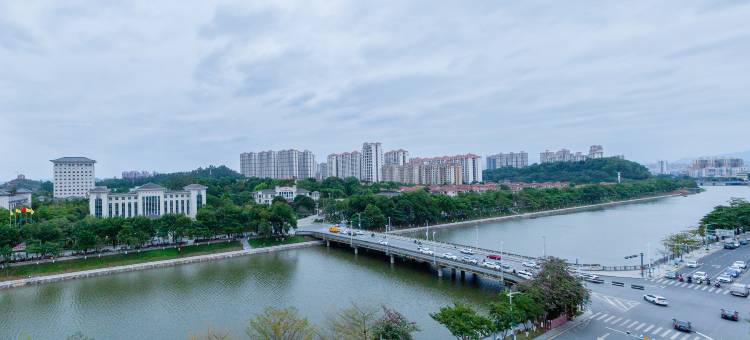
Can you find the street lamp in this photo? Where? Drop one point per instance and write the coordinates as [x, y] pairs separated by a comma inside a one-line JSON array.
[[544, 249], [510, 300], [434, 259]]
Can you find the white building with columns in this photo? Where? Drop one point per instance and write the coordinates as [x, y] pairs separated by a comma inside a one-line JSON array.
[[150, 200]]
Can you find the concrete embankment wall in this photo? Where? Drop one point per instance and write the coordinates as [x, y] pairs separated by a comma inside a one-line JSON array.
[[150, 265], [534, 214]]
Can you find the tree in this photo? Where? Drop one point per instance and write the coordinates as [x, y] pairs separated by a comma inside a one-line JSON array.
[[373, 217], [303, 205], [127, 236], [282, 218], [555, 290], [463, 322], [393, 325], [84, 237], [354, 322], [280, 324]]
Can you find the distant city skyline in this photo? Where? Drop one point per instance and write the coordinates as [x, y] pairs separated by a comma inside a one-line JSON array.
[[169, 87]]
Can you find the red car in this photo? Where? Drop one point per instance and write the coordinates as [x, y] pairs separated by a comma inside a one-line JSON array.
[[493, 257]]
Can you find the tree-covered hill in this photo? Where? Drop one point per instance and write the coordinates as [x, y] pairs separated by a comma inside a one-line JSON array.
[[589, 171]]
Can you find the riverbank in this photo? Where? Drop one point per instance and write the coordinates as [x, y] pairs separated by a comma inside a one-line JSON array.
[[149, 265], [535, 214]]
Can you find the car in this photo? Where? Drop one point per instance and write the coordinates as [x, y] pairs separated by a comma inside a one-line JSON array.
[[506, 268], [493, 257], [656, 299], [724, 279], [692, 264], [450, 256], [731, 245], [525, 274], [736, 267], [467, 251], [743, 242], [491, 265], [468, 259], [682, 326], [732, 272], [593, 278], [700, 276], [385, 243], [670, 275], [730, 314], [425, 250], [530, 264], [740, 264]]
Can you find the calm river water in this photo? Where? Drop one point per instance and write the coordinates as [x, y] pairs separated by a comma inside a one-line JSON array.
[[172, 303], [603, 236]]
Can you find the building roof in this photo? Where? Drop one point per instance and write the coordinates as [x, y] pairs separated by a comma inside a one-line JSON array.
[[19, 191], [195, 187], [23, 191], [99, 190], [73, 160], [302, 191], [150, 186]]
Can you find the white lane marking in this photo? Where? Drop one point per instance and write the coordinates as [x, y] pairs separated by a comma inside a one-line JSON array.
[[656, 330], [593, 316], [602, 337], [640, 326], [622, 305], [676, 334], [711, 290], [704, 288], [686, 337], [624, 322], [703, 335], [609, 318], [616, 320], [648, 328], [726, 292], [683, 284], [696, 287], [632, 324], [666, 333], [602, 316], [669, 283]]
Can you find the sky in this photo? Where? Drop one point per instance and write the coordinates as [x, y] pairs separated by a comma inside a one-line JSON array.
[[174, 85]]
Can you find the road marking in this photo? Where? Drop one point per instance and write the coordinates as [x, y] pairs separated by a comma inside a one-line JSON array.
[[640, 326], [648, 328], [676, 334], [619, 303], [593, 316], [666, 333], [602, 316], [686, 337], [697, 338], [603, 337], [683, 284], [624, 322], [670, 283], [704, 288], [609, 318], [726, 292], [656, 330], [711, 290], [632, 324], [697, 287], [616, 320]]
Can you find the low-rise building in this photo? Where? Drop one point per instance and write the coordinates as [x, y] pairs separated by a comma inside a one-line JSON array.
[[150, 200], [15, 199], [266, 196]]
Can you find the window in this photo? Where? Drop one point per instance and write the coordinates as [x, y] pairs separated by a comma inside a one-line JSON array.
[[98, 207], [199, 204], [109, 212], [182, 203], [117, 209]]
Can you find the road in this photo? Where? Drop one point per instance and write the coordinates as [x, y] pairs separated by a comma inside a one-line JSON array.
[[621, 313]]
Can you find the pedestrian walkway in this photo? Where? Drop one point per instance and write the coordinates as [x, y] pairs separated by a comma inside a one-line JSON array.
[[640, 328], [693, 286]]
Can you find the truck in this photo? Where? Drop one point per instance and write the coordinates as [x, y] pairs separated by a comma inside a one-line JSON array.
[[739, 289]]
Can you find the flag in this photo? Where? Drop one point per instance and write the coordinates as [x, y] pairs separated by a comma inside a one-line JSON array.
[[30, 211], [23, 210], [18, 211]]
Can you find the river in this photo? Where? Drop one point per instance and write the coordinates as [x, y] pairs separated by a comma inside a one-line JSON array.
[[172, 303], [604, 235]]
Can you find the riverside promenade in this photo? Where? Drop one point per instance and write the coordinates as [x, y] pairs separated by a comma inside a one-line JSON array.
[[534, 214], [150, 265]]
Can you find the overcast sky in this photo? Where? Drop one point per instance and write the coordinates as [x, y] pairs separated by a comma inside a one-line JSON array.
[[167, 85]]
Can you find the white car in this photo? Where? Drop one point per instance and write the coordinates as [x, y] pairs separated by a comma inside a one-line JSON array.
[[469, 260], [724, 279], [450, 256], [736, 267], [656, 299], [466, 251], [491, 265], [506, 268], [692, 264], [385, 243], [530, 264], [740, 264], [525, 274], [425, 251], [700, 276]]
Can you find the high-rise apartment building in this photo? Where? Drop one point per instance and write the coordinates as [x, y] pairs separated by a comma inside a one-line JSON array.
[[72, 176], [564, 155], [508, 160], [459, 169], [322, 172], [396, 157], [283, 164], [596, 151], [343, 165], [662, 168], [717, 167], [372, 162]]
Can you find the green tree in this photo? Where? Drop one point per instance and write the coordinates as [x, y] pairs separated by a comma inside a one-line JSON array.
[[373, 217], [353, 322], [393, 325], [463, 322], [555, 290], [282, 218], [280, 324]]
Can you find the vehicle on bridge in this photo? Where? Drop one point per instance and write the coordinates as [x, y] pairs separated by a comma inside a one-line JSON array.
[[739, 289], [530, 264], [334, 229], [493, 257], [682, 326], [469, 259], [425, 250], [467, 251], [383, 242], [656, 299], [491, 265], [732, 315], [525, 274], [450, 256]]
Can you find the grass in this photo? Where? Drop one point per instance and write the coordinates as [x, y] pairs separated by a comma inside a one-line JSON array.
[[532, 334], [270, 242], [94, 262]]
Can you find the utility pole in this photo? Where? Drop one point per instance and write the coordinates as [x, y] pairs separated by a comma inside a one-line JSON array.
[[477, 230], [544, 249], [641, 264]]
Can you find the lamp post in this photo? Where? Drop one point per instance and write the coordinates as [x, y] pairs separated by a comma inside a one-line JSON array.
[[434, 259], [476, 227], [510, 300], [544, 247]]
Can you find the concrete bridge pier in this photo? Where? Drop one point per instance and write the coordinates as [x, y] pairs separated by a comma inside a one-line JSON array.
[[356, 251], [453, 272], [328, 243], [393, 260], [463, 274], [440, 271]]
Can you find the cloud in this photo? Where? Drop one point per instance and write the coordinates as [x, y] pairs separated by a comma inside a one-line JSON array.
[[168, 86]]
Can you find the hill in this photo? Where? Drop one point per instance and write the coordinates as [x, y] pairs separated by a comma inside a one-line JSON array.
[[175, 180], [589, 171], [28, 184]]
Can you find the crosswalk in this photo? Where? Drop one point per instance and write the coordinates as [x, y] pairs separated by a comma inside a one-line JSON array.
[[643, 328], [693, 286]]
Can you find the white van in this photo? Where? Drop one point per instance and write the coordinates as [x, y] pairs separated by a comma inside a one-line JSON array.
[[739, 289]]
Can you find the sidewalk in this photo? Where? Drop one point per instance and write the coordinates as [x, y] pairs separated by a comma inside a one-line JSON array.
[[660, 270], [578, 321]]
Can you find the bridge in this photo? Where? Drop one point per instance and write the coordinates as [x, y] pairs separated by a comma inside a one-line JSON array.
[[406, 248]]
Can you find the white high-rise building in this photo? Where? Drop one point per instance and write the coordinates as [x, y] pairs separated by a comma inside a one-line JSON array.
[[72, 176], [283, 164], [343, 165], [564, 155], [508, 160], [662, 168], [396, 157], [372, 162]]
